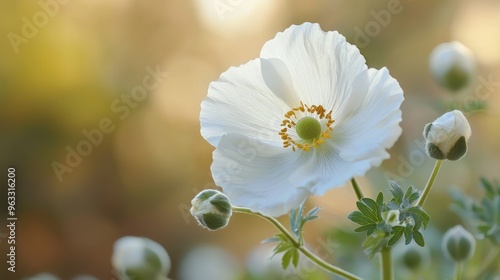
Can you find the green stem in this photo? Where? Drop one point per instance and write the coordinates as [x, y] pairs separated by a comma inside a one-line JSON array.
[[323, 264], [386, 261], [428, 187], [458, 270], [357, 189]]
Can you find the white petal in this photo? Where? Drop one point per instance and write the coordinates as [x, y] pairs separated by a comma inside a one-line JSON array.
[[278, 79], [322, 64], [330, 170], [241, 102], [261, 177], [373, 126]]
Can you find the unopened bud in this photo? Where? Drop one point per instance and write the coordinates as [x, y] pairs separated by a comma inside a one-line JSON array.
[[458, 244], [452, 65], [137, 258], [211, 209], [392, 218], [447, 136]]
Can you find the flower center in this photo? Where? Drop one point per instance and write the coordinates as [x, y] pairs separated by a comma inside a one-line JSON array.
[[306, 127]]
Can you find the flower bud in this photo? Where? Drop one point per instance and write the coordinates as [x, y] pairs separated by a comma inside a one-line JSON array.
[[392, 218], [452, 65], [447, 136], [140, 258], [211, 209], [458, 244]]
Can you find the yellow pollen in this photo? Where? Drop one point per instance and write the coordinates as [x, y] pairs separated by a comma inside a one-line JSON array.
[[291, 120]]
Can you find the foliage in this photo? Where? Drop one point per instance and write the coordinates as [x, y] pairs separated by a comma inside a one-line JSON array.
[[372, 218], [290, 248], [485, 215]]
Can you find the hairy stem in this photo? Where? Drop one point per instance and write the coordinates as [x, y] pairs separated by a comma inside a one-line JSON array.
[[430, 182], [357, 188], [321, 263]]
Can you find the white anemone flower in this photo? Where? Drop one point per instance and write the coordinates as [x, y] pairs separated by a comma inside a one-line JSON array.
[[305, 117]]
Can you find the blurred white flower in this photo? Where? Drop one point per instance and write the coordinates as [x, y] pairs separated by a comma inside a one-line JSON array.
[[137, 258], [447, 136], [305, 117], [452, 65], [209, 263]]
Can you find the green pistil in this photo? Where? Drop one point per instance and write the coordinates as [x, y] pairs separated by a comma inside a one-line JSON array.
[[308, 128]]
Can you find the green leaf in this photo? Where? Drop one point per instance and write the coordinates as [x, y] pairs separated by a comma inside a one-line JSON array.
[[298, 220], [419, 238], [367, 212], [398, 232], [287, 257], [359, 218], [396, 192], [295, 258], [369, 228]]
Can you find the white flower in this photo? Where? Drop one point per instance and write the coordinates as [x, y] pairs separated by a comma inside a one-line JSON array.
[[452, 65], [140, 258], [447, 136], [305, 117]]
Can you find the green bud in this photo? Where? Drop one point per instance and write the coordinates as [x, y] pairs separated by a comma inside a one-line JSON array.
[[447, 136], [458, 244], [452, 65], [140, 258], [211, 209]]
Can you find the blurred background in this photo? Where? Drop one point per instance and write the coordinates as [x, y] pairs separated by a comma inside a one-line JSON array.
[[68, 69]]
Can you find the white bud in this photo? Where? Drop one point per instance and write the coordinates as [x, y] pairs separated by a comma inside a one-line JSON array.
[[392, 218], [211, 209], [452, 65], [138, 258], [447, 136], [458, 244]]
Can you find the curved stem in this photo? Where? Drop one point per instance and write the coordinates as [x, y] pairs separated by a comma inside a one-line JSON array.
[[430, 182], [323, 264], [357, 188], [386, 260]]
